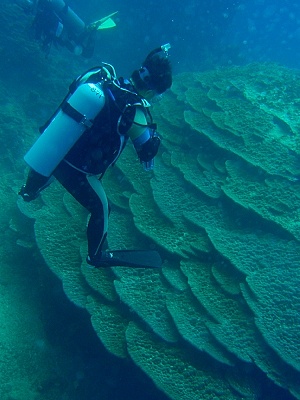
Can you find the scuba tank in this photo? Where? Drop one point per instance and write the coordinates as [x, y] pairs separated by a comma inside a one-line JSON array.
[[73, 23], [72, 119]]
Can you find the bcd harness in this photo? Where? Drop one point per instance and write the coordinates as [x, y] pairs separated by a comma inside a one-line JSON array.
[[106, 76], [121, 95]]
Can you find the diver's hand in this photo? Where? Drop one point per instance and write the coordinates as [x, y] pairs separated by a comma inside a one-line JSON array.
[[27, 196]]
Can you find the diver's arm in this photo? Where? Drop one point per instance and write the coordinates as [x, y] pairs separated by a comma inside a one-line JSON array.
[[145, 140]]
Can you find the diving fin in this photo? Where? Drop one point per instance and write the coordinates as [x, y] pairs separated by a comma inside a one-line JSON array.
[[103, 23], [109, 23], [127, 258]]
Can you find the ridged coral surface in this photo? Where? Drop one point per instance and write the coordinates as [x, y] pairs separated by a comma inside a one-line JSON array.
[[222, 207]]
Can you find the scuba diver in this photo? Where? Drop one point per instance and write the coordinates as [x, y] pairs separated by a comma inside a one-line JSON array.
[[87, 134], [56, 23]]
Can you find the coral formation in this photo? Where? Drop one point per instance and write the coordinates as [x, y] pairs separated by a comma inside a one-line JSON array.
[[222, 207]]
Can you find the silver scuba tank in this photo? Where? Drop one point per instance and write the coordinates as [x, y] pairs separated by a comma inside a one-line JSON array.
[[66, 128]]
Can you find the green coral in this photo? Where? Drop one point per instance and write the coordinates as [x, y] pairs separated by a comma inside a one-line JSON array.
[[179, 374], [109, 324], [222, 207], [191, 321], [145, 293]]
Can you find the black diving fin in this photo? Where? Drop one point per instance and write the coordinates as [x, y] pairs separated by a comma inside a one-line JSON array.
[[127, 258]]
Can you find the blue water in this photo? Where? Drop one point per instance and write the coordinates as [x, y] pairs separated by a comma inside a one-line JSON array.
[[204, 35]]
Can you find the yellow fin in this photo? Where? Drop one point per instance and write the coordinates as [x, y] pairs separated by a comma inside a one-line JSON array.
[[109, 23], [103, 23]]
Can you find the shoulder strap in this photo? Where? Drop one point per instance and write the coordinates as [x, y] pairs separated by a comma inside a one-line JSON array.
[[92, 75], [104, 72], [89, 76]]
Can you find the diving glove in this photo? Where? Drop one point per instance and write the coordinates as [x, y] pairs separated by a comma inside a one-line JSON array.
[[34, 185], [27, 196]]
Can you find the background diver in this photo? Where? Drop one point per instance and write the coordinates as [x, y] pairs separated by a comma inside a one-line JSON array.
[[87, 134], [56, 23]]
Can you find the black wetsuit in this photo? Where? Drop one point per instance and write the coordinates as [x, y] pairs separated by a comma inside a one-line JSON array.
[[98, 148], [52, 27]]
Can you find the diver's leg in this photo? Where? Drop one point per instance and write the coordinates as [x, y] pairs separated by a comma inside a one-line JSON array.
[[98, 223], [88, 191], [88, 43]]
